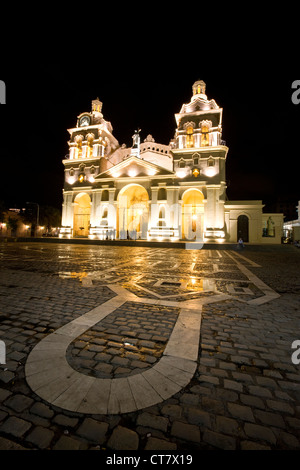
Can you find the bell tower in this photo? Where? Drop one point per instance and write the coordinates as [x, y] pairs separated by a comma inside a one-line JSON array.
[[91, 145], [199, 156]]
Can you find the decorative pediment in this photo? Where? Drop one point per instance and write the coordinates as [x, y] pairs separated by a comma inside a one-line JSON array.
[[133, 167]]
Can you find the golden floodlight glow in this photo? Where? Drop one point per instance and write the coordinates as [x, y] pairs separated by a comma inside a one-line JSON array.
[[196, 172], [210, 172], [132, 173], [180, 174], [71, 179]]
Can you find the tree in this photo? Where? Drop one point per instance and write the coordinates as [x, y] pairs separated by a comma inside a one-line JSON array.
[[50, 217], [2, 211], [12, 224]]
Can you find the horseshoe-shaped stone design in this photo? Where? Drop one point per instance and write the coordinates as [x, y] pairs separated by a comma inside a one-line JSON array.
[[53, 379], [50, 376]]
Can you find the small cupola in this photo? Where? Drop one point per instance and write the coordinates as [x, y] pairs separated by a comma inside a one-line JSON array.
[[199, 89]]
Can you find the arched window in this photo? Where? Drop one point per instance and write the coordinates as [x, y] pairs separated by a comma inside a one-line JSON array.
[[90, 141], [161, 217], [104, 217], [161, 195], [78, 147], [105, 195], [189, 137], [204, 136], [162, 213]]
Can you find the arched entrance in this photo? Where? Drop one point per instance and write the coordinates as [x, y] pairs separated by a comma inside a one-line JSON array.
[[132, 221], [192, 214], [82, 212], [243, 228]]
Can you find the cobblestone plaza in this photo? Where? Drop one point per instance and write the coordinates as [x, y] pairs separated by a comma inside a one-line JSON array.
[[133, 348]]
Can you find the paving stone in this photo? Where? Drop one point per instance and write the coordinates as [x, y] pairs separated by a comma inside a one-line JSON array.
[[198, 417], [7, 376], [4, 394], [150, 359], [123, 439], [209, 379], [139, 364], [146, 344], [93, 430], [69, 443], [65, 421], [212, 406], [270, 419], [250, 445], [227, 426], [174, 411], [260, 391], [280, 406], [233, 385], [121, 361], [104, 368], [153, 443], [6, 444], [41, 437], [241, 412], [122, 371], [189, 399], [42, 410], [227, 395], [259, 432], [219, 440], [266, 382], [153, 421], [250, 400], [19, 402], [15, 426], [242, 377], [187, 432], [289, 440]]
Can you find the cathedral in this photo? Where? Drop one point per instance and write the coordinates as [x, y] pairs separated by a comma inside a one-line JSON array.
[[153, 191]]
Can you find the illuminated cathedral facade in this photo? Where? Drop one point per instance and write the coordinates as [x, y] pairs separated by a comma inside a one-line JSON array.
[[153, 191]]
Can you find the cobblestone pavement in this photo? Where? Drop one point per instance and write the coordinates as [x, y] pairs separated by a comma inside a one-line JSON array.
[[245, 391]]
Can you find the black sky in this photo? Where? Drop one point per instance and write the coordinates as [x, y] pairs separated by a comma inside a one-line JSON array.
[[143, 76]]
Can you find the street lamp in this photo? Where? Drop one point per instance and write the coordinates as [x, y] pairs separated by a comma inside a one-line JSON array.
[[37, 214]]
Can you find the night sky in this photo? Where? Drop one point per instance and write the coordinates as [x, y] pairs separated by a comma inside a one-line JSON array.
[[143, 79]]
